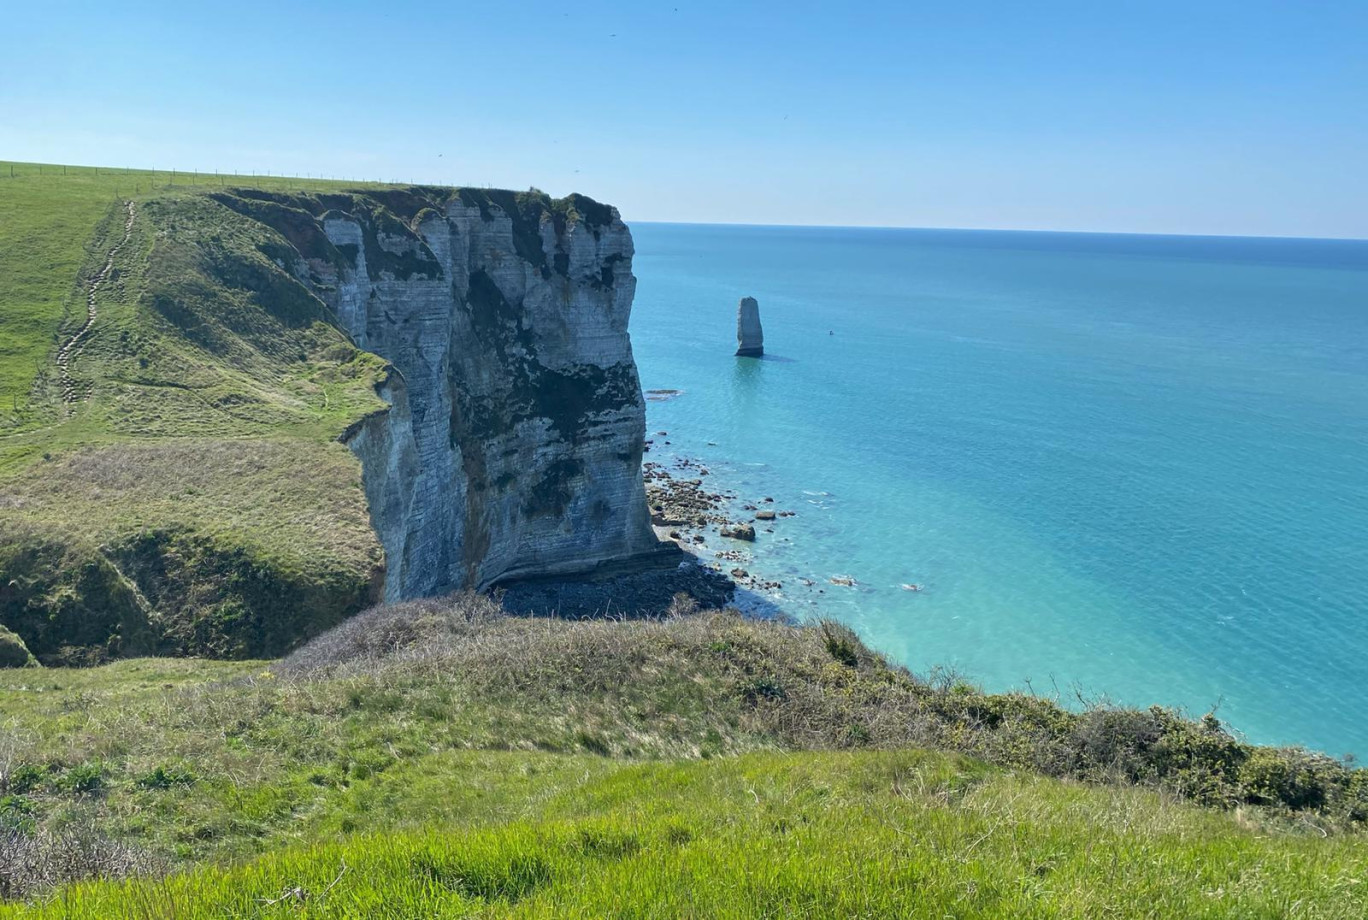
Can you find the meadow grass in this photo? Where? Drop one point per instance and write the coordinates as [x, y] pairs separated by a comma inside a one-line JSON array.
[[833, 834], [49, 216], [459, 761]]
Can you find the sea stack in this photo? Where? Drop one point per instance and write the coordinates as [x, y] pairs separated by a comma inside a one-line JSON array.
[[750, 338]]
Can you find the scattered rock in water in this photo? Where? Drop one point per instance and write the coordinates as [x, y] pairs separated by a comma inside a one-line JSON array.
[[768, 499], [750, 337], [911, 587], [764, 515], [845, 581], [740, 532]]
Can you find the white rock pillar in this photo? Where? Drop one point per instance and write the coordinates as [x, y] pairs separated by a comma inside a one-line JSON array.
[[750, 338]]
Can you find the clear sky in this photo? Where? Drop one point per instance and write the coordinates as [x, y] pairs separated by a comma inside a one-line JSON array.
[[1204, 116]]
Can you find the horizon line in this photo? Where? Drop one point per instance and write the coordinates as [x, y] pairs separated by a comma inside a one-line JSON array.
[[1213, 236], [719, 223]]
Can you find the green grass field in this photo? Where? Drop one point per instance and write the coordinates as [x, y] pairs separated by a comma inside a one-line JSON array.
[[193, 498], [50, 216], [770, 835], [441, 760]]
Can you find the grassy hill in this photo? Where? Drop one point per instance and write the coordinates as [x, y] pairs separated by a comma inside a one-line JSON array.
[[440, 759], [179, 487]]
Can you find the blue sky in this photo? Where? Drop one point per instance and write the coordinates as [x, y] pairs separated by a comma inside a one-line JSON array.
[[1198, 117]]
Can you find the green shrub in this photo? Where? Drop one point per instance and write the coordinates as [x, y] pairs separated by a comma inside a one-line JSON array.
[[83, 779], [166, 777], [13, 652], [1288, 777], [16, 815]]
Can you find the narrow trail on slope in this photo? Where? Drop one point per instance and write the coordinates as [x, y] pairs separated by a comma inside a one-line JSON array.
[[73, 345]]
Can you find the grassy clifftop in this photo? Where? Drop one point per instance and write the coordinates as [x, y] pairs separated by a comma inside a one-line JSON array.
[[440, 759], [177, 485], [170, 477]]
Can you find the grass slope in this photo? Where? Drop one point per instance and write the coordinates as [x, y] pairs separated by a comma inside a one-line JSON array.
[[50, 231], [460, 762], [197, 501], [769, 835]]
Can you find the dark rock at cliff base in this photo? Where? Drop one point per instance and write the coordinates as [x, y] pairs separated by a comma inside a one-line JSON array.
[[750, 338], [637, 595]]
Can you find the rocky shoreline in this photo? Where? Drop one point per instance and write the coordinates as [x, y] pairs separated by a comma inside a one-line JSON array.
[[716, 532], [697, 518]]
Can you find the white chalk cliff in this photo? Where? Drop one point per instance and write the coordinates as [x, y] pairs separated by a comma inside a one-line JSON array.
[[512, 445], [750, 337]]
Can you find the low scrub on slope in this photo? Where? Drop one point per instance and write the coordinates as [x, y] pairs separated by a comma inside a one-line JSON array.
[[467, 761]]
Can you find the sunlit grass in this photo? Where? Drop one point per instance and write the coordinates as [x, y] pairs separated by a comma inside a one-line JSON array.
[[770, 835]]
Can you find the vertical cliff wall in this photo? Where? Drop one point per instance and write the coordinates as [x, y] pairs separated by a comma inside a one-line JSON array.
[[512, 445]]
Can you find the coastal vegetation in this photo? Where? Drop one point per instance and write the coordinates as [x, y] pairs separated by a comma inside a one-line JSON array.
[[441, 758]]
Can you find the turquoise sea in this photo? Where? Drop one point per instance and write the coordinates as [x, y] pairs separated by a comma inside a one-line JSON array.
[[1131, 467]]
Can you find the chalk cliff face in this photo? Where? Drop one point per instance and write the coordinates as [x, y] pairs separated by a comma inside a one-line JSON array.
[[512, 445]]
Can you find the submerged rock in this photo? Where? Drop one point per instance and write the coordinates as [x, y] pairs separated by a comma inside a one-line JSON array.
[[750, 338]]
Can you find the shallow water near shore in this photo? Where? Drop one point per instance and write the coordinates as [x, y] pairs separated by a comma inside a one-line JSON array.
[[1132, 465]]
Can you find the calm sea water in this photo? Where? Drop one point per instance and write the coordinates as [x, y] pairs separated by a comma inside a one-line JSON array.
[[1135, 466]]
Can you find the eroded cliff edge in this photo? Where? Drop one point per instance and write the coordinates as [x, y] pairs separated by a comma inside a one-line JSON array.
[[513, 439]]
